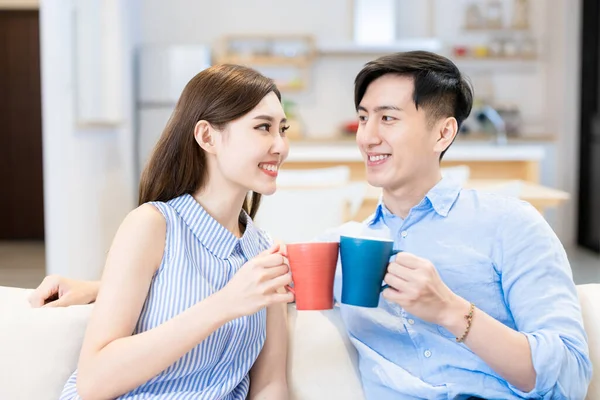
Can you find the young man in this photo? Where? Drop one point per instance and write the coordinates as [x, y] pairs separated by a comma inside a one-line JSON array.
[[481, 301]]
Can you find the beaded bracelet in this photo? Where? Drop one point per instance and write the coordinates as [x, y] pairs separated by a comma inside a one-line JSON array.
[[469, 318]]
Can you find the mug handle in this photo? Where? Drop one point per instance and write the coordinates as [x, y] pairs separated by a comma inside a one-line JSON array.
[[386, 286]]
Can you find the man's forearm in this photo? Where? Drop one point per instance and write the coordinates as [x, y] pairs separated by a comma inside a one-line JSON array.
[[505, 350]]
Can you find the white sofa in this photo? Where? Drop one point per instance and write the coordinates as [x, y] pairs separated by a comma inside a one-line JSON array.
[[39, 349]]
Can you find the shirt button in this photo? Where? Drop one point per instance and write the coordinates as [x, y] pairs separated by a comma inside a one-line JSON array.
[[427, 353], [411, 321], [404, 234]]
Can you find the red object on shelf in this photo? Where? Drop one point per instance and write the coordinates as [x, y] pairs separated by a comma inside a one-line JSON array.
[[460, 51], [350, 127]]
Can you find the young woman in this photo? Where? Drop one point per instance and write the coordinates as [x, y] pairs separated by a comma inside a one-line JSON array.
[[192, 299]]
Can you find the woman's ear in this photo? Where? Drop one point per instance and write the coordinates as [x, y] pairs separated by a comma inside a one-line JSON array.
[[446, 134], [205, 136]]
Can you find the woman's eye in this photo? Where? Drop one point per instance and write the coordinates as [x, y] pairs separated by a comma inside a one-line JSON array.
[[283, 129], [264, 127]]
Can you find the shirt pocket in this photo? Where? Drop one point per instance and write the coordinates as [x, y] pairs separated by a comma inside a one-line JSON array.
[[477, 282]]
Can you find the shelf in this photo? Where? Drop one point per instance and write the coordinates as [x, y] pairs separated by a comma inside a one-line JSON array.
[[346, 151], [266, 50], [284, 87], [495, 30], [468, 138], [354, 49], [275, 61], [497, 64], [284, 58], [477, 137]]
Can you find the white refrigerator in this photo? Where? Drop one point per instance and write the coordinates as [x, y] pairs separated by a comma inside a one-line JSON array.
[[163, 72]]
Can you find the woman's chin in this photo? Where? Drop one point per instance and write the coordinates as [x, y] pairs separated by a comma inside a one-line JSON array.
[[265, 190]]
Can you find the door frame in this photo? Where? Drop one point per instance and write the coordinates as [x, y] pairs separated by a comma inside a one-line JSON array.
[[589, 108]]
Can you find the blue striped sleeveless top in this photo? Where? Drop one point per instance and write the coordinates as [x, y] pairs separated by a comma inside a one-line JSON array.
[[200, 257]]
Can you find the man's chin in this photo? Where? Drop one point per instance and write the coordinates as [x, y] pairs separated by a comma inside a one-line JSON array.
[[376, 181]]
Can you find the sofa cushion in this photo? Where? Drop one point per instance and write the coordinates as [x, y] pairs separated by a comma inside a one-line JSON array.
[[39, 347], [322, 363]]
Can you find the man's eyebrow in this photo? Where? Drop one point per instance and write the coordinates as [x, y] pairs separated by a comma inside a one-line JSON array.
[[380, 108], [386, 108]]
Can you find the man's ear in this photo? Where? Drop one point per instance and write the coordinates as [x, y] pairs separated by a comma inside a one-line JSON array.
[[445, 134], [204, 134]]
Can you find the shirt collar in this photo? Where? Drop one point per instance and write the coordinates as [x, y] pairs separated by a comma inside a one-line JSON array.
[[214, 236], [441, 198]]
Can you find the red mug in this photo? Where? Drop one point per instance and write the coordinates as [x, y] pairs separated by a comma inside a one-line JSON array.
[[313, 270]]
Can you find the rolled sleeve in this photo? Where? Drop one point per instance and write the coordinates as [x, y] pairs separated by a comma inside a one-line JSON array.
[[542, 298]]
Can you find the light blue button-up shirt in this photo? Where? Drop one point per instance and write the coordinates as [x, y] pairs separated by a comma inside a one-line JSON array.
[[496, 252]]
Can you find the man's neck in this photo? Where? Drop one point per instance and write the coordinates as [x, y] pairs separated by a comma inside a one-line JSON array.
[[400, 200]]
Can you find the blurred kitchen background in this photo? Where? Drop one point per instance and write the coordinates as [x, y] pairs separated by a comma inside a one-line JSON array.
[[86, 87]]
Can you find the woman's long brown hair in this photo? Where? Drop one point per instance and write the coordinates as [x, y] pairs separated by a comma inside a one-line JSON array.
[[218, 95]]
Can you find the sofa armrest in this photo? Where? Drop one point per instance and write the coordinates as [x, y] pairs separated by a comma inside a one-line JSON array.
[[39, 346], [589, 298]]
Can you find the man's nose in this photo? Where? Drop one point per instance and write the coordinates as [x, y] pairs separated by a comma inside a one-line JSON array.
[[368, 133]]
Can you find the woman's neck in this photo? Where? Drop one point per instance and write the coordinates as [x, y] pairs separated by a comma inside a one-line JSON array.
[[223, 204]]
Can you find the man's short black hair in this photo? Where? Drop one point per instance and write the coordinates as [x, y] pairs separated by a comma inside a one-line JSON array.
[[439, 87]]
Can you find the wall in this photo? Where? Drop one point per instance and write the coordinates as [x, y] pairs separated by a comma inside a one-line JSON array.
[[88, 171], [563, 105]]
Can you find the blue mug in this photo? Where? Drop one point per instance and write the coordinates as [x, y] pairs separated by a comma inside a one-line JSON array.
[[364, 265]]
